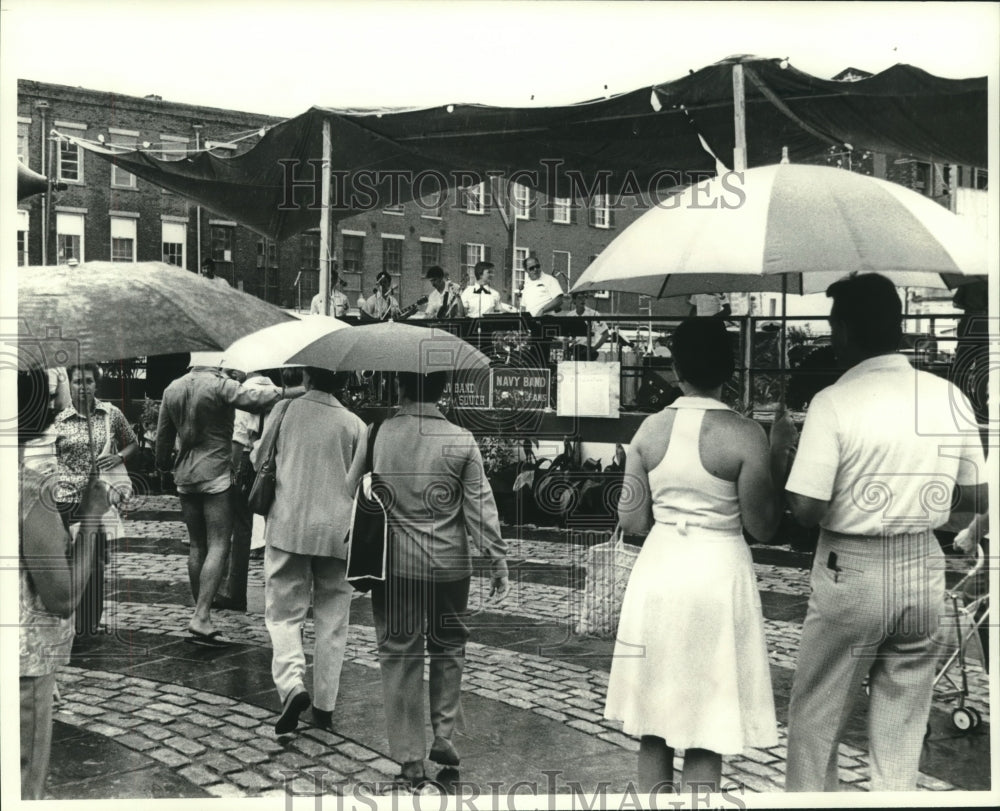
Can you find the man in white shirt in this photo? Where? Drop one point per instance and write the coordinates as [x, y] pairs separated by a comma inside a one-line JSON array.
[[598, 329], [881, 452], [339, 303], [382, 305], [445, 298], [542, 292], [480, 299]]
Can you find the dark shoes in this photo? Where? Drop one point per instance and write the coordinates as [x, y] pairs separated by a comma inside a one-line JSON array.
[[295, 704], [411, 778], [323, 719], [443, 752], [229, 604]]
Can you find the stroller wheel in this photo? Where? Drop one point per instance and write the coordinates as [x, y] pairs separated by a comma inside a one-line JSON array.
[[963, 719], [977, 719]]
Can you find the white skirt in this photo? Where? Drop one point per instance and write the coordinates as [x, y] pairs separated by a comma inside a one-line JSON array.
[[690, 663]]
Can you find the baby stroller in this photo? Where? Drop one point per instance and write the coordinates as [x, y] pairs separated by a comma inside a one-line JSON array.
[[966, 610]]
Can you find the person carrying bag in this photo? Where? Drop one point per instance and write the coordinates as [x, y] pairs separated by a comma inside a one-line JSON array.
[[369, 535]]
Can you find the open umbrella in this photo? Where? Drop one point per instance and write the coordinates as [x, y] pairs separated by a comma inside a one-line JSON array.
[[391, 347], [100, 311], [787, 227], [271, 347]]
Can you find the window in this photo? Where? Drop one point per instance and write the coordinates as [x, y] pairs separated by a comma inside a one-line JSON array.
[[70, 163], [430, 254], [69, 237], [522, 202], [309, 286], [475, 199], [310, 252], [600, 211], [22, 237], [174, 242], [432, 204], [267, 253], [222, 243], [392, 254], [122, 239], [354, 253], [561, 211], [520, 254], [23, 129], [173, 147], [561, 264], [121, 179], [353, 261], [472, 253]]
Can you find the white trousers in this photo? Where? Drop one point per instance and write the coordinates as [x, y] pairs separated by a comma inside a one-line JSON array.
[[289, 582]]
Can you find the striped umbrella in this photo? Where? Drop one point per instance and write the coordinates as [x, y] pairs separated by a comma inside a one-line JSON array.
[[787, 227]]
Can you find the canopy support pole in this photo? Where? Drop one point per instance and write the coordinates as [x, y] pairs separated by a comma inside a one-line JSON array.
[[739, 120], [324, 222]]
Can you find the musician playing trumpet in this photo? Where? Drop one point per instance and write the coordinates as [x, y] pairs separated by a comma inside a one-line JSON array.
[[445, 298], [382, 305]]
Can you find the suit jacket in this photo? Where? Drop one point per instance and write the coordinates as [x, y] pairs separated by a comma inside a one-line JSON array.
[[317, 439], [440, 496]]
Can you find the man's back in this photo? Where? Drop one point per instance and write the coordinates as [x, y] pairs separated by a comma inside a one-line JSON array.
[[890, 441]]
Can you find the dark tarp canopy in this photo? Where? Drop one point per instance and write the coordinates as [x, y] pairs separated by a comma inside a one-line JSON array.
[[646, 142]]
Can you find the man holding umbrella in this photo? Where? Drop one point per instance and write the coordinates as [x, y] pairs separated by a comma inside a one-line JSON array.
[[198, 411]]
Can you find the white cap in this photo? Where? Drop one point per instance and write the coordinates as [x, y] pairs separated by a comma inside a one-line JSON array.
[[212, 359]]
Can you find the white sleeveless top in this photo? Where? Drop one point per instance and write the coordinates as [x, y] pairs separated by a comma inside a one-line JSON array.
[[683, 492]]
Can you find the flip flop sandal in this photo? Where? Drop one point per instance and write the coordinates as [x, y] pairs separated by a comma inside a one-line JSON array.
[[212, 640]]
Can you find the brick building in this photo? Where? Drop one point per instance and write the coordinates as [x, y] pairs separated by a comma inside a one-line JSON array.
[[108, 214]]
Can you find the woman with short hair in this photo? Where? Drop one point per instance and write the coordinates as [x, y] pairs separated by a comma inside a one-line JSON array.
[[109, 441], [690, 668]]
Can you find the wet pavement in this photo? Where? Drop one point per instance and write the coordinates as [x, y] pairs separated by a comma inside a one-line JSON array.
[[143, 713]]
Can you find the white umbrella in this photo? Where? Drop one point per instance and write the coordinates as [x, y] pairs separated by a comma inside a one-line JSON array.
[[271, 348], [787, 227]]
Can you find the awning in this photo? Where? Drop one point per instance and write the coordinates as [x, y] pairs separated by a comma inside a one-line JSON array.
[[647, 142]]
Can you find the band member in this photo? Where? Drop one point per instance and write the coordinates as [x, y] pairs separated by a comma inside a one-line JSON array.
[[382, 305], [480, 299], [339, 303], [445, 300], [599, 331], [542, 292]]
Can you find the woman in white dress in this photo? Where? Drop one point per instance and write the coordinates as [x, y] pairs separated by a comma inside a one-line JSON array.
[[690, 669]]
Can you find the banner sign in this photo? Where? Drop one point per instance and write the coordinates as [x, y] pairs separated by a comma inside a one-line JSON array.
[[521, 389]]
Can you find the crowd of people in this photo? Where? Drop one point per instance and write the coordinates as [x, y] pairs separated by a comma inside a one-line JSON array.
[[690, 669]]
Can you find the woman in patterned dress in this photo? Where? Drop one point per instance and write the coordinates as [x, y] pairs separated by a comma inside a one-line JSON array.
[[73, 453]]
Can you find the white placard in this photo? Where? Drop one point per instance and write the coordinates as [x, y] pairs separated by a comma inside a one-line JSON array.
[[588, 389]]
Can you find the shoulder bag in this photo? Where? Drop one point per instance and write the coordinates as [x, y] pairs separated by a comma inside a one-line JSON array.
[[119, 484], [368, 539], [261, 495]]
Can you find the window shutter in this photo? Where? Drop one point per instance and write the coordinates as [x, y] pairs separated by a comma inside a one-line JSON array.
[[574, 214], [611, 215], [550, 209], [463, 255], [591, 212], [531, 199]]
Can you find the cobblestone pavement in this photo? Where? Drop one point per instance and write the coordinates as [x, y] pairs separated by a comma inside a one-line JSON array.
[[225, 745]]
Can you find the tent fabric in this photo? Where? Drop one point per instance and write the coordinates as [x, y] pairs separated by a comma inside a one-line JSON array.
[[645, 142]]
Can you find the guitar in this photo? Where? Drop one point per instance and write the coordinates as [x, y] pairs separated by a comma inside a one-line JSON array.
[[451, 294], [407, 312]]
